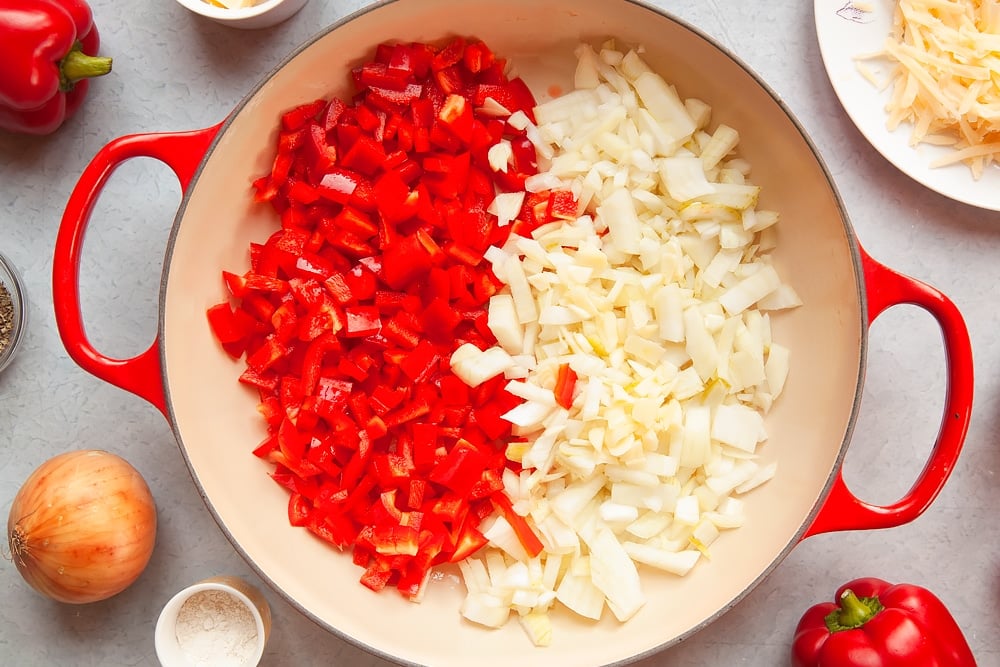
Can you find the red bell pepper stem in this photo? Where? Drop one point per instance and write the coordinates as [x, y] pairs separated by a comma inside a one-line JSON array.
[[852, 612], [77, 65]]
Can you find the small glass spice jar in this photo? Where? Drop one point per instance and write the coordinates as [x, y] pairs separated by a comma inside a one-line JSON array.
[[13, 311], [217, 622]]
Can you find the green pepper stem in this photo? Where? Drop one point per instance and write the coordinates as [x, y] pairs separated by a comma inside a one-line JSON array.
[[77, 65], [853, 612]]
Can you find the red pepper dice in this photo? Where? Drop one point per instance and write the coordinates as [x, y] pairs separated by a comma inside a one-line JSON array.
[[49, 49], [351, 310], [878, 624]]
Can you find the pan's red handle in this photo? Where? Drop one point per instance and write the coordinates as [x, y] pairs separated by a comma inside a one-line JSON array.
[[182, 152], [842, 510]]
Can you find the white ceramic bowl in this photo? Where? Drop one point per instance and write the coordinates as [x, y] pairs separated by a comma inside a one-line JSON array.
[[263, 15], [216, 631]]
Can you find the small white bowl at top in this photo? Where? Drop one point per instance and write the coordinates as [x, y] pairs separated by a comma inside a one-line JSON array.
[[175, 650], [265, 14]]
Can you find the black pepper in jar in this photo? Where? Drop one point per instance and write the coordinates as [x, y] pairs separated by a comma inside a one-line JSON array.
[[6, 318]]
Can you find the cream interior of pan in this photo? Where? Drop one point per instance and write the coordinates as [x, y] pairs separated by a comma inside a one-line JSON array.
[[215, 419]]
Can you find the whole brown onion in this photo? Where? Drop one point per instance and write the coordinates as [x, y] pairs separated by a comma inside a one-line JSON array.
[[82, 526]]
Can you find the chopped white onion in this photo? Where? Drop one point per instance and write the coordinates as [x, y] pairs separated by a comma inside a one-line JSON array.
[[654, 297]]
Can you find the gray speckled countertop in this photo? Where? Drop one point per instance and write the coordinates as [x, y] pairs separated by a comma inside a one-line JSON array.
[[176, 71]]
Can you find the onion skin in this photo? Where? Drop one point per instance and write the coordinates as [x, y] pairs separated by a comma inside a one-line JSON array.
[[82, 527]]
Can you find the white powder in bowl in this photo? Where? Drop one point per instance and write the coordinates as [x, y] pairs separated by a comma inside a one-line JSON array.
[[215, 629]]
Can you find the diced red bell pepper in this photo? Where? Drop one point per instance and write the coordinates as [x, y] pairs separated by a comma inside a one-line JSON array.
[[299, 510], [377, 576], [372, 120], [469, 541], [565, 386], [236, 284], [441, 319], [456, 115], [460, 469], [263, 283], [266, 382], [393, 198], [285, 319], [339, 288], [301, 192], [269, 353], [388, 99], [331, 114], [406, 261], [477, 57], [324, 317], [384, 398], [354, 221], [415, 409], [307, 292], [339, 184], [392, 470], [563, 205], [296, 118], [525, 534], [521, 97], [324, 155], [422, 113], [449, 55], [362, 283], [447, 175], [380, 75], [224, 324], [362, 321], [365, 156], [350, 311], [419, 363], [270, 410]]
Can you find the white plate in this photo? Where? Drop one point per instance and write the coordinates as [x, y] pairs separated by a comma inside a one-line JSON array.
[[845, 31]]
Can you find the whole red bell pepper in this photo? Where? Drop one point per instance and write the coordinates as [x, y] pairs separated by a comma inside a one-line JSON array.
[[49, 52], [878, 624]]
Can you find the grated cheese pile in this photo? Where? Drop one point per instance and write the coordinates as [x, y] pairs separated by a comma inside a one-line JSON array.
[[234, 4], [945, 77], [656, 296]]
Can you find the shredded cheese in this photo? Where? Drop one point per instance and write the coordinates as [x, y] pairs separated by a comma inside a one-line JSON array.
[[233, 4], [945, 77]]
